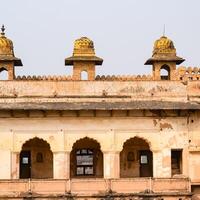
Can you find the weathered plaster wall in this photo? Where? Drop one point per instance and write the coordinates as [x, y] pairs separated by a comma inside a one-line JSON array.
[[168, 90], [61, 133]]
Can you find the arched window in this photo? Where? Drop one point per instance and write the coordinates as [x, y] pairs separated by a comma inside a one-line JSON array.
[[84, 75], [165, 72], [3, 74], [86, 159]]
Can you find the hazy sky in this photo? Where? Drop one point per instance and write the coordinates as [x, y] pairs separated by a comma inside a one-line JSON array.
[[123, 31]]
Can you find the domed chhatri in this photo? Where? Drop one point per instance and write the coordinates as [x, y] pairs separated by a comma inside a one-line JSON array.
[[83, 59], [83, 51], [164, 46], [6, 45], [164, 50], [7, 49], [83, 46]]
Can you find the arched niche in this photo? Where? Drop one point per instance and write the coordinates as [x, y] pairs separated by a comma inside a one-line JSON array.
[[136, 159], [165, 72], [3, 73], [36, 159], [84, 75]]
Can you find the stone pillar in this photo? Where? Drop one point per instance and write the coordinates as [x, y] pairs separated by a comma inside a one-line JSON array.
[[15, 162], [111, 165], [166, 163], [5, 164], [11, 72], [61, 165], [185, 161]]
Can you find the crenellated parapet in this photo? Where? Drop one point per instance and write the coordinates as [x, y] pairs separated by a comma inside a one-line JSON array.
[[188, 73], [124, 78], [97, 78], [182, 74], [45, 78]]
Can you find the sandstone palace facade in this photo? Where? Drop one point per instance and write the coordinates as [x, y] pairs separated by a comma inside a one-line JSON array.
[[89, 137]]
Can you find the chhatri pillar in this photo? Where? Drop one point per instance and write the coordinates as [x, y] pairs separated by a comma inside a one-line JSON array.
[[164, 58], [7, 58], [83, 59]]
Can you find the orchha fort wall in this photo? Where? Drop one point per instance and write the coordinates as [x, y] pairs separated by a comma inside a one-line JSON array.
[[87, 136]]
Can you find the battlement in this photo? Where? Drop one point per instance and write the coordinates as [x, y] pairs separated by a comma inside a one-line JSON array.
[[188, 73], [97, 78], [182, 73]]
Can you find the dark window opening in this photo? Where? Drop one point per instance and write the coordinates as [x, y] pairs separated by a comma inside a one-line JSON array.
[[84, 162], [176, 162], [165, 72]]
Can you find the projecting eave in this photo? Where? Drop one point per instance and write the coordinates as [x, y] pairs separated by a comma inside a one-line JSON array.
[[95, 59], [134, 105], [176, 59], [6, 58]]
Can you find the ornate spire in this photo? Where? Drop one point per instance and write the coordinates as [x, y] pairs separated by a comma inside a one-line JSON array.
[[3, 30]]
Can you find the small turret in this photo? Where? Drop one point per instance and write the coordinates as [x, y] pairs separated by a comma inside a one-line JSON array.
[[7, 58], [164, 58], [83, 59]]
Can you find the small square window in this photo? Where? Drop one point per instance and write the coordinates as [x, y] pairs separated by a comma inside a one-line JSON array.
[[143, 159], [25, 160]]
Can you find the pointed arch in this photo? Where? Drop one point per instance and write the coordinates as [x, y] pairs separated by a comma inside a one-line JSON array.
[[88, 139], [36, 159], [37, 139], [165, 72], [136, 158], [146, 141], [86, 158], [3, 73], [84, 75]]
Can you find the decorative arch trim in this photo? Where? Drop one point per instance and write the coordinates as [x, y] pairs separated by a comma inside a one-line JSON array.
[[86, 138], [22, 139], [139, 137], [38, 138]]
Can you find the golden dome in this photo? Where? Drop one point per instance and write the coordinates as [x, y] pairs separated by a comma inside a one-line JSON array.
[[6, 45], [164, 46], [83, 52], [83, 47]]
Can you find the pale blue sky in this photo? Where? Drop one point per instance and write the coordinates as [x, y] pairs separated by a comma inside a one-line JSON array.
[[123, 31]]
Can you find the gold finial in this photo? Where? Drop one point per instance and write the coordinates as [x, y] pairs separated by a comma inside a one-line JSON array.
[[3, 30]]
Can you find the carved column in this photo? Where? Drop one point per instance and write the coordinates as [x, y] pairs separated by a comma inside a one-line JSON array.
[[111, 165], [61, 165]]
